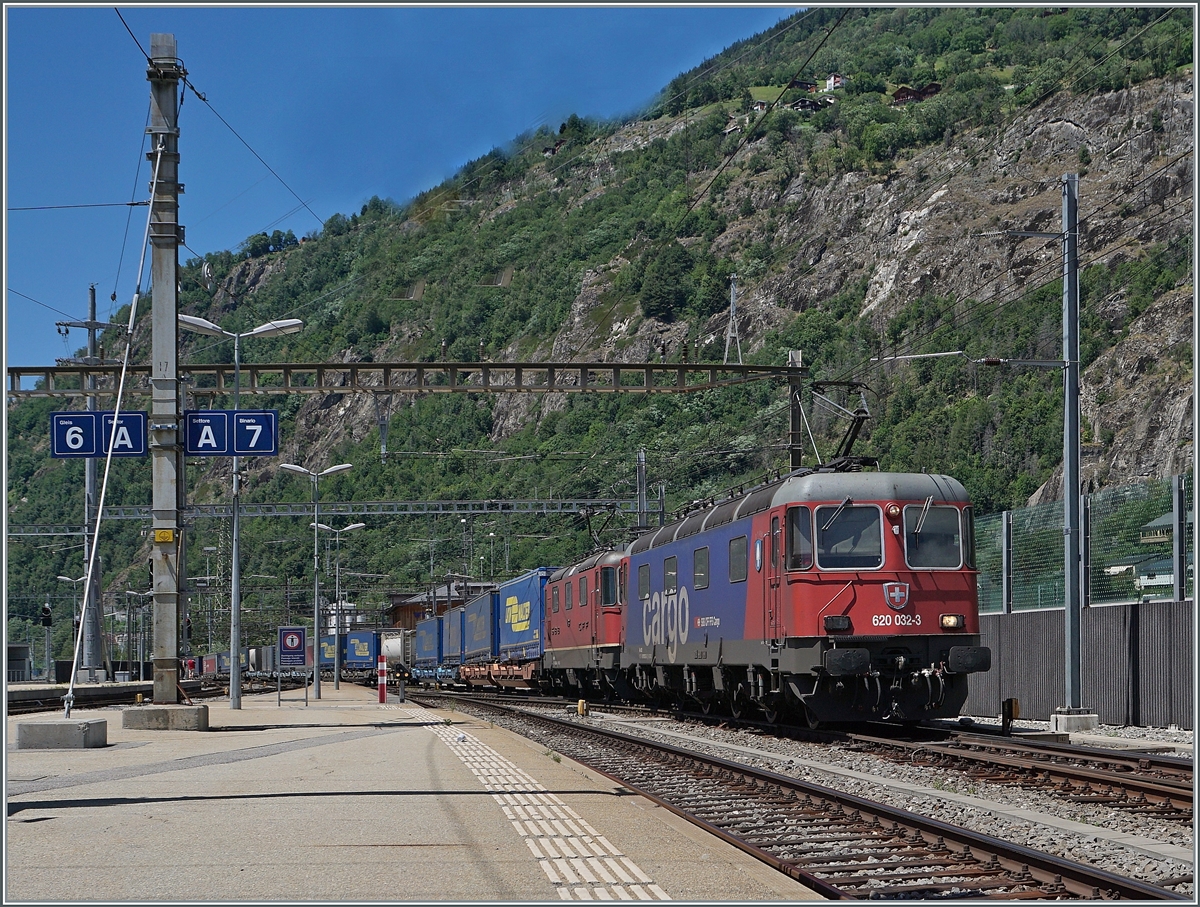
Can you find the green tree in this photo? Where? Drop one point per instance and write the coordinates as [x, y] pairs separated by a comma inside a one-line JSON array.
[[665, 286]]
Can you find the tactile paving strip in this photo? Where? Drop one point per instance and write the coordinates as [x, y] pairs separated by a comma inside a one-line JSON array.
[[579, 861]]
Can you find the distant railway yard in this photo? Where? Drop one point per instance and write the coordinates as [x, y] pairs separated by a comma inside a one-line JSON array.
[[914, 813]]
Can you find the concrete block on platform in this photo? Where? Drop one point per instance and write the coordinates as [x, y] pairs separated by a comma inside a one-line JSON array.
[[1072, 722], [62, 734], [166, 718]]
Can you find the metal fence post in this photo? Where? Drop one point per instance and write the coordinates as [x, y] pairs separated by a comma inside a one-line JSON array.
[[1006, 561], [1179, 546]]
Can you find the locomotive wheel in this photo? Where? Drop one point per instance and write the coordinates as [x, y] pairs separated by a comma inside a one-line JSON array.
[[739, 703], [772, 713], [707, 706]]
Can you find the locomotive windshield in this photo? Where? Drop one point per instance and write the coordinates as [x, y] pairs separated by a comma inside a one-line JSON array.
[[849, 536], [932, 536]]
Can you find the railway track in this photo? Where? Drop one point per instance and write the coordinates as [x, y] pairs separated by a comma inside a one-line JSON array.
[[1150, 785], [1142, 783], [840, 845]]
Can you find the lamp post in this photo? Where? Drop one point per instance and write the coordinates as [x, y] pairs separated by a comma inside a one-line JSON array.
[[270, 329], [74, 597], [315, 478], [492, 543], [337, 596]]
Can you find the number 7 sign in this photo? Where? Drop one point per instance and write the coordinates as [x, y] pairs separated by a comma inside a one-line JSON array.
[[256, 433]]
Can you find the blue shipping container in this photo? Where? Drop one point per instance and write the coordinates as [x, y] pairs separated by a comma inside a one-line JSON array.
[[481, 631], [428, 647], [521, 613], [327, 651], [452, 636], [360, 648]]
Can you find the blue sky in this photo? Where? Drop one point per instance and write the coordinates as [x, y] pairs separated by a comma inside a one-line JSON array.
[[342, 103]]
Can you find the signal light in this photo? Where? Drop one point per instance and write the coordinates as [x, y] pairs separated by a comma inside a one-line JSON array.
[[837, 623], [953, 621], [47, 616]]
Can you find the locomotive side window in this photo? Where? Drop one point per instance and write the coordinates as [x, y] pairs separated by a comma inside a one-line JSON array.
[[932, 536], [671, 575], [799, 539], [737, 559], [969, 537], [608, 585], [554, 599], [569, 593], [644, 582], [700, 568], [583, 590], [849, 537], [622, 583], [775, 544]]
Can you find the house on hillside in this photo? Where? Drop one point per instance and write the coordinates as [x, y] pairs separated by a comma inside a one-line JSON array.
[[803, 85], [905, 95], [760, 106], [810, 105], [836, 80]]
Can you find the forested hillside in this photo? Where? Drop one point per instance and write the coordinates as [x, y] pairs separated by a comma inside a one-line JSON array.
[[859, 228]]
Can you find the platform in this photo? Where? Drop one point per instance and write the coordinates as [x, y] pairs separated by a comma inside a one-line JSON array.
[[347, 800]]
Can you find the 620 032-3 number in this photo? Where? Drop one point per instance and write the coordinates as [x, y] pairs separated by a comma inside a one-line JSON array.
[[898, 620]]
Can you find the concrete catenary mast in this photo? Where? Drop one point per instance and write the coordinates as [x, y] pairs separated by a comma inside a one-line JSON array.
[[166, 453]]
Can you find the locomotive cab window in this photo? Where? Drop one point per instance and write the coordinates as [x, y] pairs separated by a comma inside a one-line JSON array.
[[737, 559], [799, 539], [583, 590], [700, 568], [644, 582], [568, 595], [849, 537], [554, 599], [608, 586], [932, 536], [671, 575]]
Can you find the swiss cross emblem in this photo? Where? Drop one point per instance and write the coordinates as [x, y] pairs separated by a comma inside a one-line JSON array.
[[896, 595]]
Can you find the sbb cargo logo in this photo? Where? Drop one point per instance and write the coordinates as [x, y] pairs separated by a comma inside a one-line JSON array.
[[665, 620]]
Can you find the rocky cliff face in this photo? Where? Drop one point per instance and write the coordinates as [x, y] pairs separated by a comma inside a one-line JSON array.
[[934, 225]]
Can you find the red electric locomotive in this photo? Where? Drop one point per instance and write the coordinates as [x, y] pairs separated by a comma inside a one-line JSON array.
[[831, 594]]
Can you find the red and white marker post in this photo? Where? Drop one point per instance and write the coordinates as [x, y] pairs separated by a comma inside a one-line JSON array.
[[381, 671]]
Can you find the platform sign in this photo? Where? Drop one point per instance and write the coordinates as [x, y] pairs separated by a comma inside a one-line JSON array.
[[293, 647], [256, 433], [206, 433], [130, 438], [231, 433], [86, 434]]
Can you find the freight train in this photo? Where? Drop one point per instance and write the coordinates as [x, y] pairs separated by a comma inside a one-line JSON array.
[[829, 595], [359, 657]]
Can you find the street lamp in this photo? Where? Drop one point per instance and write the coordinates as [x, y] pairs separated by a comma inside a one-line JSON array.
[[270, 329], [315, 477], [74, 597], [337, 595], [492, 542]]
